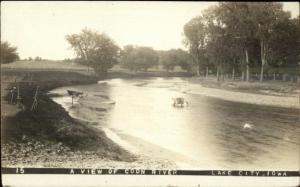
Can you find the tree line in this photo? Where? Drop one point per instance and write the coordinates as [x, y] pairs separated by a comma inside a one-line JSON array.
[[231, 38], [100, 52], [240, 36], [9, 54]]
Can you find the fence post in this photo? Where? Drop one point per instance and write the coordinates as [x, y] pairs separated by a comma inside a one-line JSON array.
[[18, 96], [35, 102]]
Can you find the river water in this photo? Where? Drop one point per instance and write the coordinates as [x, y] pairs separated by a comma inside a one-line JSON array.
[[209, 132]]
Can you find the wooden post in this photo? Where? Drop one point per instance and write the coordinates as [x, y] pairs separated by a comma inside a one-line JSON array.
[[35, 102], [12, 91], [18, 96], [72, 99], [30, 81]]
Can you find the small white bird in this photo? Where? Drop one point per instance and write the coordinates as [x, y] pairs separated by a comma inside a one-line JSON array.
[[247, 126]]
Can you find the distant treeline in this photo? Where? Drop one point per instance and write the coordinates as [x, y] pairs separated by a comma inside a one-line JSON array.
[[249, 40], [9, 54], [99, 51]]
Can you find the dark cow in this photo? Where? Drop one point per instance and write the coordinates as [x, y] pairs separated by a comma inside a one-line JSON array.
[[179, 101], [74, 93]]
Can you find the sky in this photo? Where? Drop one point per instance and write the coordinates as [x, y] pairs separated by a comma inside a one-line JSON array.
[[39, 28]]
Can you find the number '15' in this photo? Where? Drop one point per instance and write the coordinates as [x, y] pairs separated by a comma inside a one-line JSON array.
[[20, 170]]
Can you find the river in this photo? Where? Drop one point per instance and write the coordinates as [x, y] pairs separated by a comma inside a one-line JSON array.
[[208, 133]]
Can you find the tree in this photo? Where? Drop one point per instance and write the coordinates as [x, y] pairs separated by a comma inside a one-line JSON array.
[[252, 23], [284, 44], [184, 60], [67, 60], [265, 17], [237, 18], [37, 58], [138, 58], [168, 60], [244, 35], [94, 49], [219, 42], [127, 58], [8, 53], [195, 36], [175, 57]]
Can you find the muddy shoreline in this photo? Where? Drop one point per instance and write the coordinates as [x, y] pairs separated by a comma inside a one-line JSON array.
[[48, 136]]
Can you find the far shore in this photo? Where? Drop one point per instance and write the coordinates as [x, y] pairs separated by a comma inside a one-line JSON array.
[[269, 93]]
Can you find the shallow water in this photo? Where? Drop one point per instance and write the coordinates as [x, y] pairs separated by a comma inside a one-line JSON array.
[[213, 132]]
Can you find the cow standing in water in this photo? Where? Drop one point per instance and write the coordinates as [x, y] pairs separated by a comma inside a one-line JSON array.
[[179, 101]]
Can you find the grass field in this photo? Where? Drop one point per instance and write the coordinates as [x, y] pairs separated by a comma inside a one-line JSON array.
[[44, 64], [52, 65]]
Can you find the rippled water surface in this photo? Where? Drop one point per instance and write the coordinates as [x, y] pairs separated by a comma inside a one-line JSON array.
[[214, 132]]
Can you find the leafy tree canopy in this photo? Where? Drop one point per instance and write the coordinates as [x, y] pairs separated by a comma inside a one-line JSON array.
[[8, 53], [94, 49], [138, 58]]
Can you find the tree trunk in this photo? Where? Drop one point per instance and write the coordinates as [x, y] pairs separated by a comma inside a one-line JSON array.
[[243, 76], [101, 72], [206, 72], [284, 77], [222, 74], [261, 74], [263, 59], [198, 69], [274, 76], [218, 74], [87, 60], [233, 74], [247, 65]]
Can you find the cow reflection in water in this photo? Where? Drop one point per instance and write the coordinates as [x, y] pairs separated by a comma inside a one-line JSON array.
[[179, 102]]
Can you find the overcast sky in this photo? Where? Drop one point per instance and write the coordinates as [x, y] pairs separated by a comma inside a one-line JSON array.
[[39, 28]]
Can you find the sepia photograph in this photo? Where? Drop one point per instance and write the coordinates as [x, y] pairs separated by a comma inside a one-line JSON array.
[[163, 93]]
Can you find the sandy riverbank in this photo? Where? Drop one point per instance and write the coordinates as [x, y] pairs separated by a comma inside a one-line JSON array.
[[270, 93]]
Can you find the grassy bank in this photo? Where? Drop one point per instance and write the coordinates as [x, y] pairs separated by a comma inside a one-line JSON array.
[[44, 65], [269, 87], [48, 135], [147, 74]]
